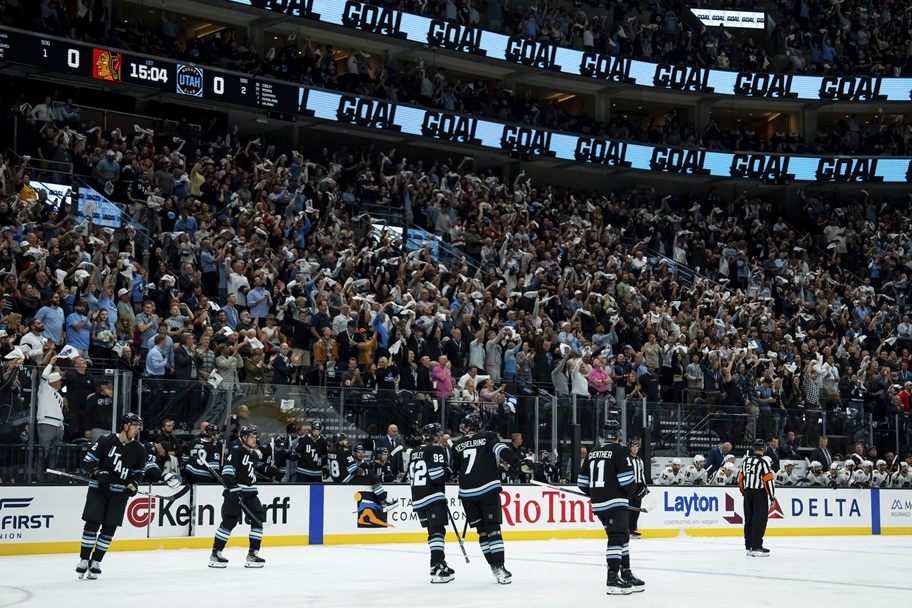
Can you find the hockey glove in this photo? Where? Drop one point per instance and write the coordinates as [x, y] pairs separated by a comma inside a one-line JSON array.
[[641, 490], [293, 456], [104, 482], [231, 490], [172, 480], [271, 471], [131, 489]]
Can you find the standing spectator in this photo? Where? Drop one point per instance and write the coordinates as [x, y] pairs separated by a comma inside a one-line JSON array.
[[51, 316], [50, 413], [78, 328], [78, 385]]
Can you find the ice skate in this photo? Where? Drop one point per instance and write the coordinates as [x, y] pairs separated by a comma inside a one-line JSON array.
[[636, 585], [760, 552], [441, 573], [616, 585], [82, 567], [217, 560], [254, 560], [503, 576], [387, 504], [94, 570]]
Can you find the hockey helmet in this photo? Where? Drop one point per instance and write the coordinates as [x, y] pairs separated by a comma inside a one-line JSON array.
[[131, 418], [317, 425], [279, 441], [611, 430], [759, 445], [359, 448], [543, 454], [729, 458], [340, 437], [849, 464], [473, 422], [247, 431], [834, 466], [699, 458], [815, 464], [429, 431], [380, 452], [729, 466], [676, 461], [903, 465], [787, 463], [211, 431], [867, 464], [881, 463]]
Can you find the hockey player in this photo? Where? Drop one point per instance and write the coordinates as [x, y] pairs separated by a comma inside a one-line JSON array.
[[833, 477], [381, 466], [880, 478], [344, 469], [156, 460], [476, 457], [608, 478], [240, 487], [847, 474], [115, 463], [310, 454], [205, 450], [673, 475], [428, 472], [902, 478], [725, 476], [816, 477], [273, 457], [861, 478], [695, 474], [786, 476]]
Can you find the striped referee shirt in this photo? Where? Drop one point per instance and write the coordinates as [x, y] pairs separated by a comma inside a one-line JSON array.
[[756, 474], [638, 470]]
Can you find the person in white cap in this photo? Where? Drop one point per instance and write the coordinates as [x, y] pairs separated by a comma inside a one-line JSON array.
[[50, 412]]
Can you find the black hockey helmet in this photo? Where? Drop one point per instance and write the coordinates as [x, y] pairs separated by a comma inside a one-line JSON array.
[[339, 437], [212, 430], [247, 431], [611, 430], [544, 454], [431, 430], [473, 422], [317, 425], [131, 418], [380, 452], [279, 441], [759, 445]]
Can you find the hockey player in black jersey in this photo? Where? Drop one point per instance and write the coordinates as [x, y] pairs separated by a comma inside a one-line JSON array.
[[239, 478], [272, 463], [476, 457], [607, 477], [309, 454], [205, 450], [115, 463], [156, 459], [344, 469], [428, 472], [381, 466], [543, 470]]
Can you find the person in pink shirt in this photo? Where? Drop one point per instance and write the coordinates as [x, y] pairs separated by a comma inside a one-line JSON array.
[[443, 390], [599, 381]]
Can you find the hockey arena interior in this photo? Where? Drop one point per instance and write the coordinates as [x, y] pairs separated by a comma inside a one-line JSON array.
[[522, 300]]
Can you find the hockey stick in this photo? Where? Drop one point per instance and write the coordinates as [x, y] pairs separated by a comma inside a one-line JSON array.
[[456, 532], [175, 496], [578, 493], [241, 502]]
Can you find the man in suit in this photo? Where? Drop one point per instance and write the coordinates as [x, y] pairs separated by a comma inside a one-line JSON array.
[[821, 454], [774, 452], [392, 442], [347, 341], [186, 372], [283, 365], [716, 457]]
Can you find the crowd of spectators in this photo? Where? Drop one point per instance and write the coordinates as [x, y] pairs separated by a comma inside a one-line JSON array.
[[263, 269], [319, 64]]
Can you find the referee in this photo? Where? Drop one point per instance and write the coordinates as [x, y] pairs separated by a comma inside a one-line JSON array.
[[640, 480], [756, 483]]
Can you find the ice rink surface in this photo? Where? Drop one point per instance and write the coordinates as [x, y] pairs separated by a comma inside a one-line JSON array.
[[679, 572]]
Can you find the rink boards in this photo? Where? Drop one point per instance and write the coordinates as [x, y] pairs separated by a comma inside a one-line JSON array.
[[47, 519]]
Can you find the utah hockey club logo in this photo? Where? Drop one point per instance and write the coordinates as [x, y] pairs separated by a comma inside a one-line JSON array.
[[370, 513], [731, 516], [775, 511]]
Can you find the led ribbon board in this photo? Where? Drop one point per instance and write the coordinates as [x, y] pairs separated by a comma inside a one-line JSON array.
[[464, 39], [258, 94]]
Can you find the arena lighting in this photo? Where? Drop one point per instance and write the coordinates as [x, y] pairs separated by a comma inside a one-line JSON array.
[[201, 84], [371, 19]]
